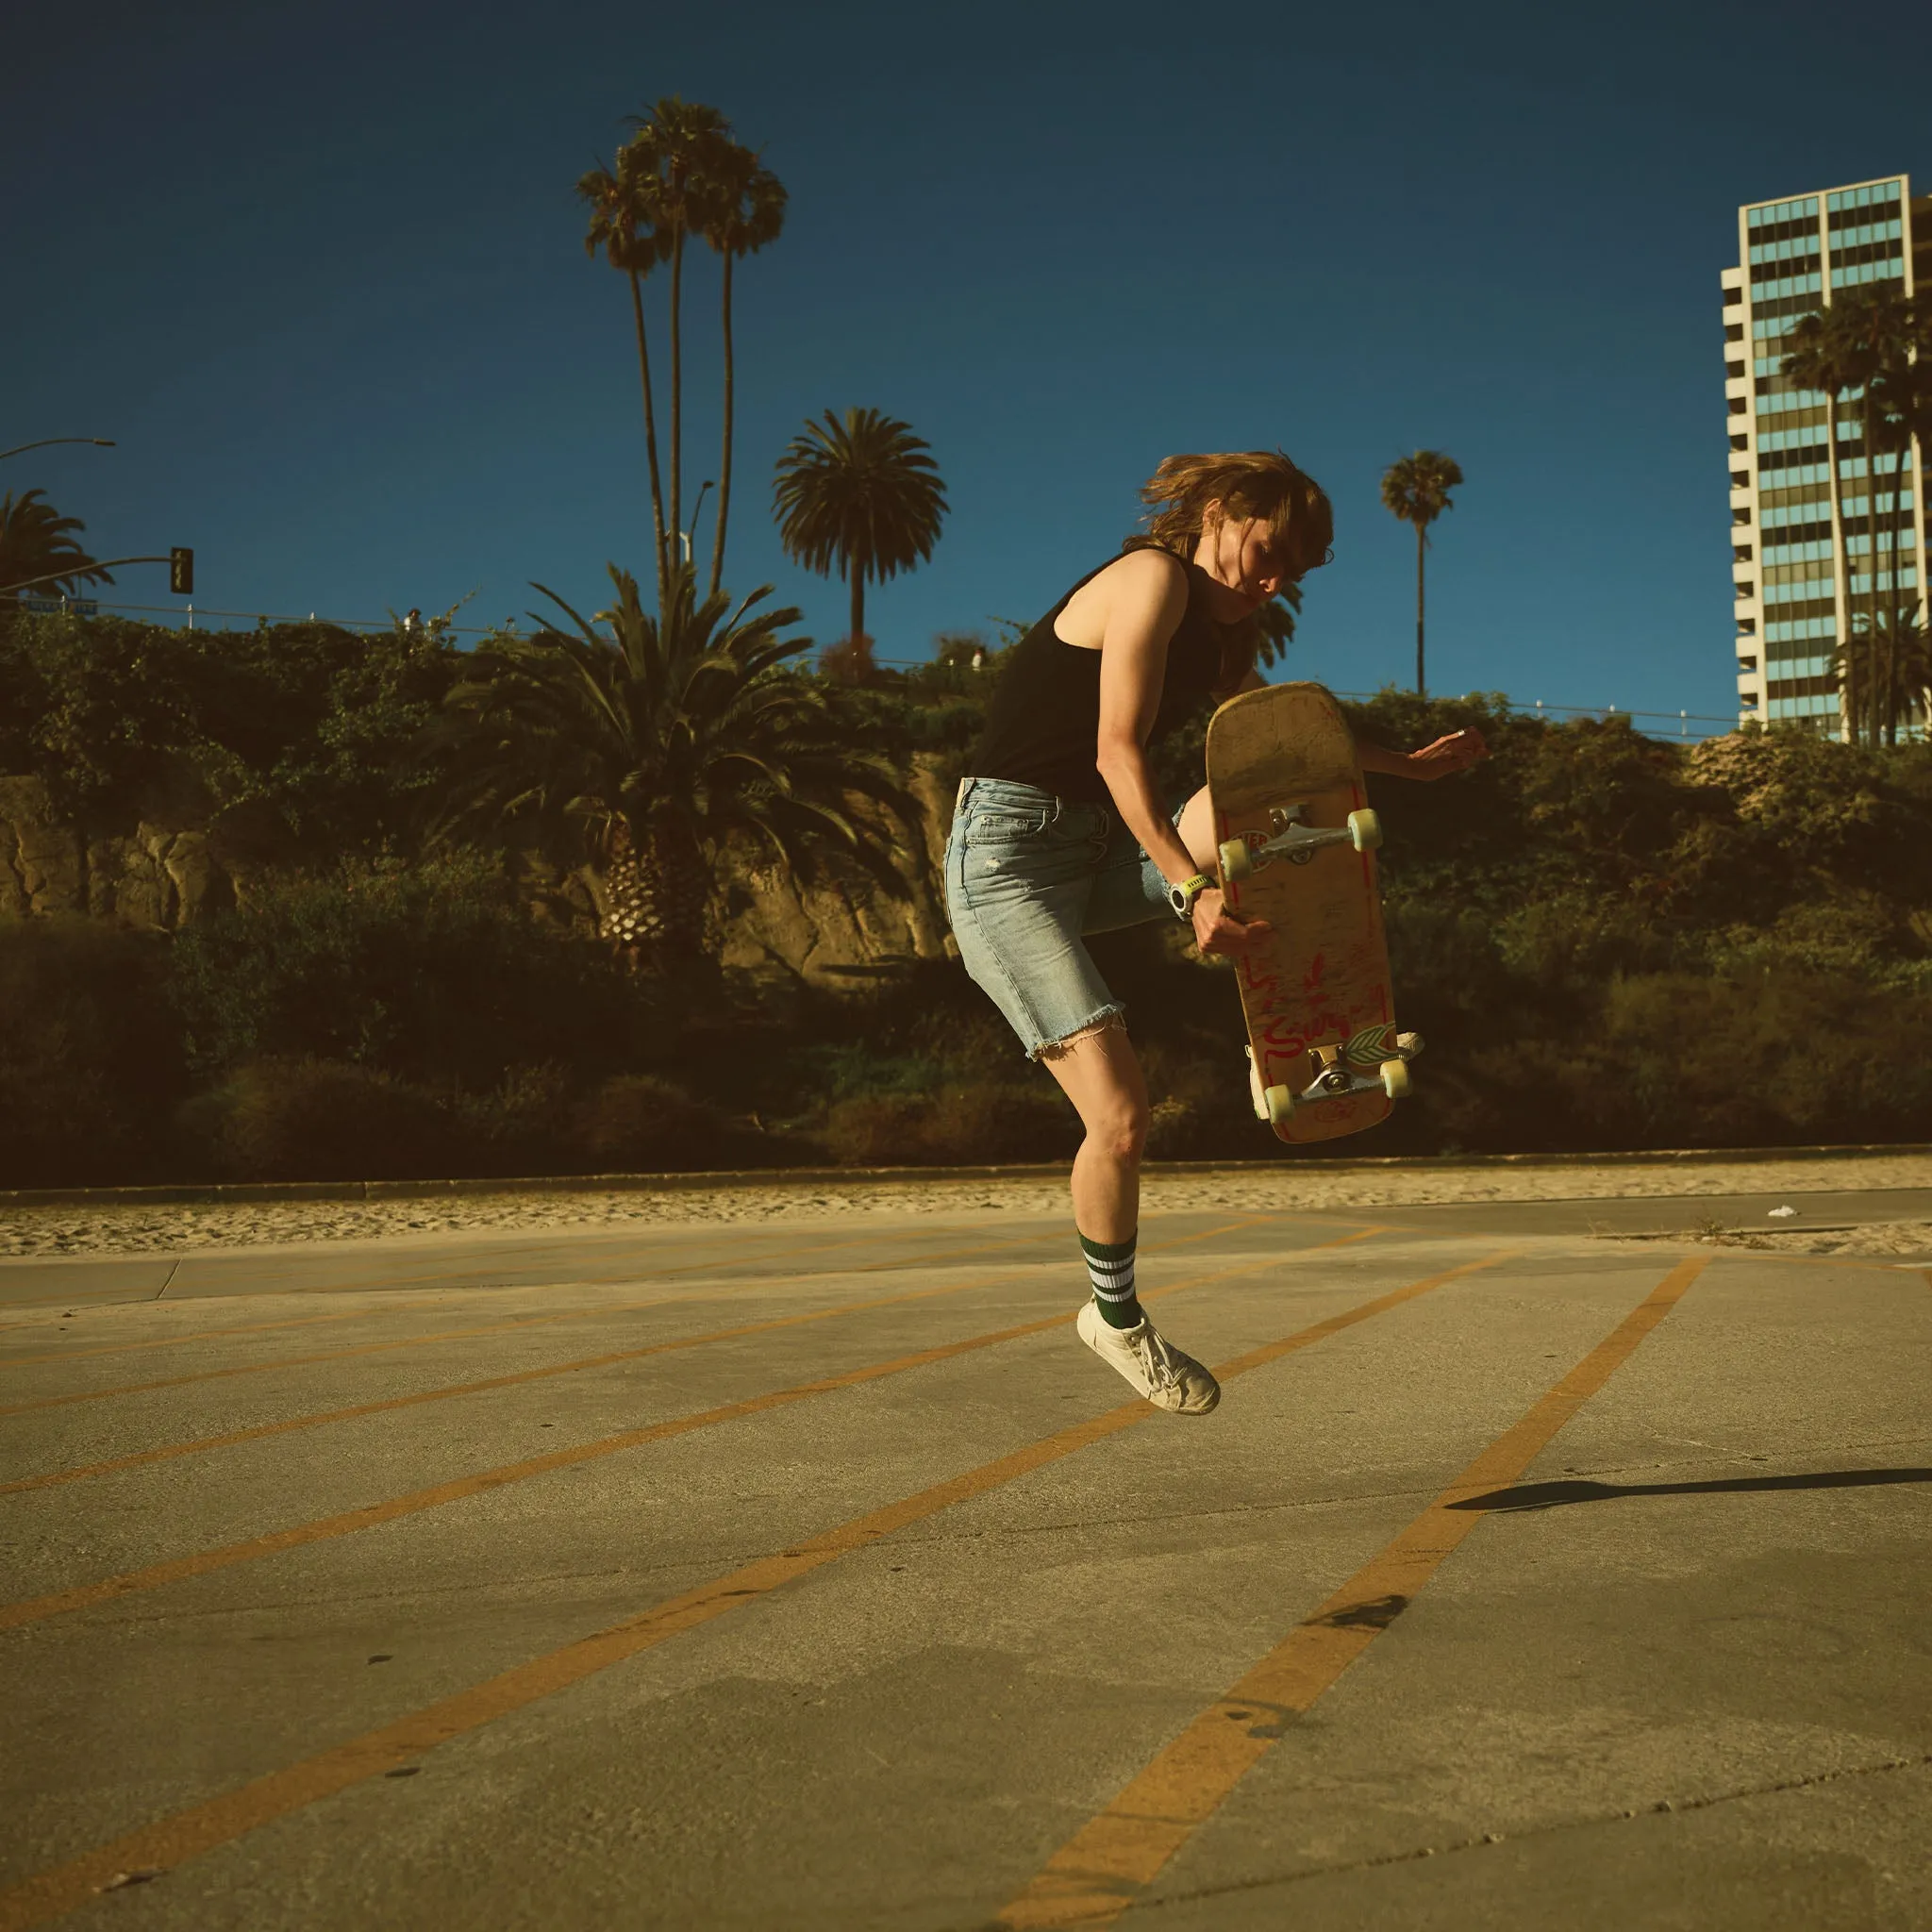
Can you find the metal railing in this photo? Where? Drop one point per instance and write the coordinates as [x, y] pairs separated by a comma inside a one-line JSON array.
[[1652, 723], [86, 606]]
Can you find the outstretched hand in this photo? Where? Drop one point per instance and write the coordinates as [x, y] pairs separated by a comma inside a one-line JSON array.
[[1447, 755], [1215, 931]]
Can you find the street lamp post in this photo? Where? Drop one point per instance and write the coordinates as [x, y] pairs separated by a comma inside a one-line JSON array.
[[684, 537], [20, 449], [182, 574]]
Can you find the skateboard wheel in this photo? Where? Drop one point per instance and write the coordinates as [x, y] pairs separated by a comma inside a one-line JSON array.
[[1281, 1103], [1255, 1094], [1365, 828], [1395, 1079], [1236, 862]]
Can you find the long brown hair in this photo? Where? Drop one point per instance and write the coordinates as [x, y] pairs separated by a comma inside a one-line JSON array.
[[1263, 483]]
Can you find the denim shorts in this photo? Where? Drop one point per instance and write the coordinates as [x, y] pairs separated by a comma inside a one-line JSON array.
[[1027, 874]]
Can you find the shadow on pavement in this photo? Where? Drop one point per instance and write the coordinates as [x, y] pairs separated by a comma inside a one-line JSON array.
[[1554, 1496]]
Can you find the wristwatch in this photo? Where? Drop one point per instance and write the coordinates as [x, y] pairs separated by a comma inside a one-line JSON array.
[[1182, 897]]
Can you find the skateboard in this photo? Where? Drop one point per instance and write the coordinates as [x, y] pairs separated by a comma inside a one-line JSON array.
[[1298, 849]]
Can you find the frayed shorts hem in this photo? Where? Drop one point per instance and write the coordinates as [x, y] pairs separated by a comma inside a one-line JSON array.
[[1028, 877], [1114, 1015]]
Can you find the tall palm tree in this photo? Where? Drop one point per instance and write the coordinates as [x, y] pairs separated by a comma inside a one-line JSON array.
[[1277, 618], [744, 210], [624, 224], [1831, 352], [669, 162], [859, 495], [1899, 415], [1872, 321], [1415, 488], [655, 743], [35, 541]]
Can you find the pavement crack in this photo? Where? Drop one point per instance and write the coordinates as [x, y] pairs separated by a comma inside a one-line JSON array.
[[1485, 1840]]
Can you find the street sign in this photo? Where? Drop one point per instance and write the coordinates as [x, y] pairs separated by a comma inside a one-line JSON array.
[[52, 606]]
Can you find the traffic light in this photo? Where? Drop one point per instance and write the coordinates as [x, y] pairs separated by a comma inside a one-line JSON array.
[[181, 572]]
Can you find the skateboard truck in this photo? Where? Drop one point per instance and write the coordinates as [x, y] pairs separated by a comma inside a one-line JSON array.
[[1336, 1075], [1293, 839]]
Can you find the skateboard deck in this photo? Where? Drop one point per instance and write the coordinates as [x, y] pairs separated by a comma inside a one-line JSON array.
[[1298, 849]]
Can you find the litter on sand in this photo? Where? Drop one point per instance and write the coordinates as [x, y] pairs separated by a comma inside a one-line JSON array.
[[1781, 1214]]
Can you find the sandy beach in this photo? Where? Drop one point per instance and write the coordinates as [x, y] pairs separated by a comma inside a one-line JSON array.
[[147, 1227]]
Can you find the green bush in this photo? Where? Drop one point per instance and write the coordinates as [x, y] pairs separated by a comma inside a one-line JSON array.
[[326, 728], [1608, 941], [961, 1126], [90, 1066], [313, 1120], [524, 1125], [637, 1123], [428, 972]]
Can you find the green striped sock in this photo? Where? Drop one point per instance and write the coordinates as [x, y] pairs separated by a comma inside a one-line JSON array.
[[1110, 1268]]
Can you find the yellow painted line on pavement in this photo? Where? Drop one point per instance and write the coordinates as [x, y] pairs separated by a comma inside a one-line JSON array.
[[407, 1283], [504, 1327], [345, 1523], [171, 1841], [1107, 1865], [169, 1451]]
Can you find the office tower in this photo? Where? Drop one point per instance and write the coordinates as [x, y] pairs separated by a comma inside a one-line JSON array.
[[1801, 582]]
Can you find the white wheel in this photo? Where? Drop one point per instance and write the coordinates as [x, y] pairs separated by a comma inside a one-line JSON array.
[[1237, 861], [1395, 1078], [1281, 1103], [1255, 1092], [1365, 828]]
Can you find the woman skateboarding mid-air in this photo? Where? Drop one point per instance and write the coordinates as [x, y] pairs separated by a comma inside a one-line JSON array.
[[1059, 832]]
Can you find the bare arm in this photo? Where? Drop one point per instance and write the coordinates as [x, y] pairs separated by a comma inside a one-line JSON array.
[[1149, 597], [1442, 759]]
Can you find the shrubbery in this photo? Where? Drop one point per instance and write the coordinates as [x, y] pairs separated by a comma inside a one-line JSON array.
[[91, 1062], [429, 970], [313, 1120], [323, 726], [958, 1126], [278, 1120], [1608, 942]]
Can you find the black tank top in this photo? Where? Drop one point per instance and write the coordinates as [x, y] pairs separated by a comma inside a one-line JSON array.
[[1042, 726]]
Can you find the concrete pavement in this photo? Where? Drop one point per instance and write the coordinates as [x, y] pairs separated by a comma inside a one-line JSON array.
[[816, 1576]]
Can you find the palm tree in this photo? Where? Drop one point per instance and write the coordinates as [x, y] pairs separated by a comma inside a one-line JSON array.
[[1416, 489], [658, 742], [1831, 352], [669, 163], [624, 224], [859, 495], [1906, 668], [34, 543], [1911, 643], [1899, 408], [744, 210], [1276, 619], [1876, 327]]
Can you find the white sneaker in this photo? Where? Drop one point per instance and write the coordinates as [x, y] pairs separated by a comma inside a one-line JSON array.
[[1162, 1373]]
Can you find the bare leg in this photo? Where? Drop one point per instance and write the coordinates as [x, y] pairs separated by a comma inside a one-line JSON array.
[[1100, 1075]]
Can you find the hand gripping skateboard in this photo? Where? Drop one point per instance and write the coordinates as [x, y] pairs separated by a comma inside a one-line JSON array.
[[1297, 849]]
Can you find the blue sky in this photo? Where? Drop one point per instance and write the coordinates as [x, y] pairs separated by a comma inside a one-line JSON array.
[[321, 275]]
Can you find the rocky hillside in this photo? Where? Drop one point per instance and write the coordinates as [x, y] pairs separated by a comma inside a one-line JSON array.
[[182, 859]]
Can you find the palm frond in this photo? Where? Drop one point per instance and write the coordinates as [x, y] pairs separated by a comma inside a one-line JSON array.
[[669, 733]]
